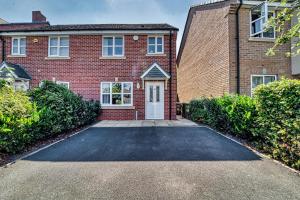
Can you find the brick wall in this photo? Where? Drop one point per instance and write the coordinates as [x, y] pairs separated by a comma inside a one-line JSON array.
[[203, 68], [85, 70]]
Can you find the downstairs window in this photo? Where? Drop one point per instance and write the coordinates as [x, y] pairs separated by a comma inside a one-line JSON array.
[[116, 93]]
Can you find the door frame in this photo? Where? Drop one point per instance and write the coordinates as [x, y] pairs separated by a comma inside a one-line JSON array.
[[162, 83]]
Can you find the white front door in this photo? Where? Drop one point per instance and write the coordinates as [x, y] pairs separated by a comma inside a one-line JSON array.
[[154, 100]]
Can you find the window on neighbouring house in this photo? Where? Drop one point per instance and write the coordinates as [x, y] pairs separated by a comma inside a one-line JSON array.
[[59, 46], [261, 79], [116, 93], [112, 46], [259, 17], [63, 83], [155, 45], [18, 46]]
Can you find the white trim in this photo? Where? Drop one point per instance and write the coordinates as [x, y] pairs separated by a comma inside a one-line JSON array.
[[155, 44], [19, 46], [110, 93], [113, 46], [13, 73], [160, 69], [58, 46], [260, 75], [271, 4], [63, 82], [37, 33]]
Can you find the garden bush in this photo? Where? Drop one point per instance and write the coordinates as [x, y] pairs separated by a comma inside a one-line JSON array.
[[18, 116], [278, 120]]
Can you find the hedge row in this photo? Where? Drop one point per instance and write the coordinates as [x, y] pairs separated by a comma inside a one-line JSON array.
[[270, 120], [42, 113]]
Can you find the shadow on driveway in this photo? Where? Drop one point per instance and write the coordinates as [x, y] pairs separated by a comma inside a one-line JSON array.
[[145, 144]]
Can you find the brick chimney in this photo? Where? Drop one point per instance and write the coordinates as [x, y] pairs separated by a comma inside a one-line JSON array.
[[37, 16]]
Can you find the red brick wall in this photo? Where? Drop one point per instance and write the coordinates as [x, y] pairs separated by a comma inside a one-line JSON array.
[[85, 70]]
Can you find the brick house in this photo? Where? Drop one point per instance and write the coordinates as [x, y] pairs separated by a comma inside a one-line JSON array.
[[220, 54], [129, 68]]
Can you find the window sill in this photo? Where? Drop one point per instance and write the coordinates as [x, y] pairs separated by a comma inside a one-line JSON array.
[[118, 107], [112, 57], [253, 39], [156, 54], [57, 58], [16, 56]]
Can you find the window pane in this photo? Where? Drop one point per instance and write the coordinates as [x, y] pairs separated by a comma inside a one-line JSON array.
[[269, 79], [107, 51], [256, 27], [159, 40], [64, 51], [151, 49], [256, 13], [64, 41], [106, 88], [256, 80], [15, 42], [127, 99], [151, 94], [108, 41], [151, 40], [23, 42], [22, 50], [157, 94], [53, 42], [15, 50], [119, 41], [118, 51], [126, 88], [106, 98], [53, 51], [159, 49], [269, 33], [116, 99], [116, 88]]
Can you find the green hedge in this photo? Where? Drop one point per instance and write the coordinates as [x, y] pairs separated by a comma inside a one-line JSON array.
[[44, 112], [271, 120]]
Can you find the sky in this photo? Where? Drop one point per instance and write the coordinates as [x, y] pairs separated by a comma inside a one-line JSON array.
[[173, 12]]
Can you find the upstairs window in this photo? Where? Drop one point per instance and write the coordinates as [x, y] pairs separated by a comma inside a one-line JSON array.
[[259, 17], [155, 45], [18, 46], [58, 46], [116, 93], [112, 46]]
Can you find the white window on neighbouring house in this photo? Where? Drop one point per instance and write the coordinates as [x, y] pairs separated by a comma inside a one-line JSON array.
[[58, 46], [116, 93], [63, 83], [18, 46], [261, 79], [259, 16], [155, 45], [112, 46]]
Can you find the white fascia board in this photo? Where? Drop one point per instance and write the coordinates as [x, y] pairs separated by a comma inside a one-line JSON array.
[[42, 33], [158, 67], [272, 4]]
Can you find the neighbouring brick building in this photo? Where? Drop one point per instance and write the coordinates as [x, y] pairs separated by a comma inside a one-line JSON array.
[[130, 68], [214, 60]]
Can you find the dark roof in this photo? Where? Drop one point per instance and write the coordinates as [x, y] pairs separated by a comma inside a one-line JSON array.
[[17, 69], [155, 72], [85, 27]]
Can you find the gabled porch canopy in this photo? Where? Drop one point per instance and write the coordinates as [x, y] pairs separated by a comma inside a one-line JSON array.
[[154, 73]]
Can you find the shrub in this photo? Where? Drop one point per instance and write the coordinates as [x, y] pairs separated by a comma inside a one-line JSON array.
[[61, 109], [17, 117], [278, 120]]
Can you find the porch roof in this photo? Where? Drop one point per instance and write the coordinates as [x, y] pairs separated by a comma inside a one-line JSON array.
[[17, 71]]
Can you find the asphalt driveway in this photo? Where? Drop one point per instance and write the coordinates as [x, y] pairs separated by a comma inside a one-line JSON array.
[[147, 163]]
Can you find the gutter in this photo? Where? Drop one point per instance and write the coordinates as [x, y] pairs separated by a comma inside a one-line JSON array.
[[170, 70], [3, 48], [237, 17]]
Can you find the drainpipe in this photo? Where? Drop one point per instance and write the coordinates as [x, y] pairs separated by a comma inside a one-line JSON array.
[[3, 48], [237, 16], [170, 70]]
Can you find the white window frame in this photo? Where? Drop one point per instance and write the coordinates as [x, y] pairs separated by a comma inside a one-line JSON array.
[[58, 46], [19, 46], [163, 44], [122, 93], [263, 76], [261, 24], [63, 82], [113, 45]]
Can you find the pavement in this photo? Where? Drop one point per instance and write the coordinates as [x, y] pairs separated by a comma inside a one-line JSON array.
[[147, 162]]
